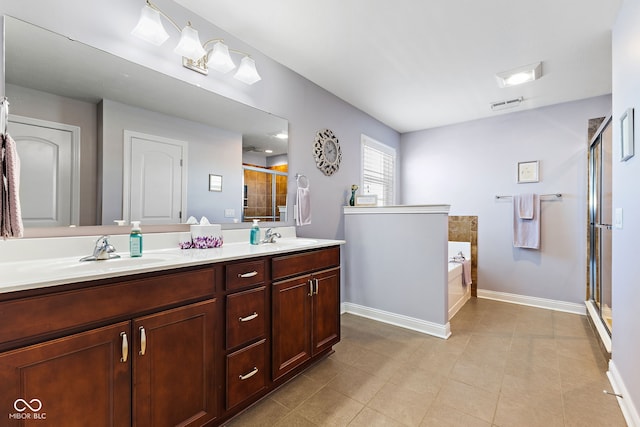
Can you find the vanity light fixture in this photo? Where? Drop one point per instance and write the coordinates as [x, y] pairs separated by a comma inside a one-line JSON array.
[[520, 75], [195, 55]]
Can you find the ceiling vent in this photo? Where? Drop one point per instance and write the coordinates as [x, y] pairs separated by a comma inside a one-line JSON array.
[[504, 105]]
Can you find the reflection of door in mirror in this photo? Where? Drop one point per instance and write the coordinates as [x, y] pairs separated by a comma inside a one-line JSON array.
[[154, 190], [265, 193], [49, 154]]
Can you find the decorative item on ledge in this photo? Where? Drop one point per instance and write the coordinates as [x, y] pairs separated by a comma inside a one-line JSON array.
[[352, 200], [195, 55]]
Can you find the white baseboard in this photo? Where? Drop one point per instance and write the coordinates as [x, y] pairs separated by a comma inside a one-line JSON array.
[[629, 411], [549, 304], [429, 328]]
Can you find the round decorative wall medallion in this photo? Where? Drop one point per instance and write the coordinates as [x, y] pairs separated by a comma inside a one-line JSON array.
[[327, 152]]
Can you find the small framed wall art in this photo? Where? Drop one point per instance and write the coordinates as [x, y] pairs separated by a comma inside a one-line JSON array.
[[528, 171], [626, 135]]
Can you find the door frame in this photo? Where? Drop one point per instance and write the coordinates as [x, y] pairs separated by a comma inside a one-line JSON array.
[[75, 156], [126, 169]]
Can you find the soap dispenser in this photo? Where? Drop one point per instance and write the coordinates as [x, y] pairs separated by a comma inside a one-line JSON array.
[[135, 240], [254, 235]]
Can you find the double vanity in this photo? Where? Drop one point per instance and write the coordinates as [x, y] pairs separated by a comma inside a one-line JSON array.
[[177, 337]]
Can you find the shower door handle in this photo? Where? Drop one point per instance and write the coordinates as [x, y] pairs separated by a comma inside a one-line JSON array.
[[605, 226]]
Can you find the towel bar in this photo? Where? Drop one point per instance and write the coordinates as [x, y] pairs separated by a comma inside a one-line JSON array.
[[556, 195]]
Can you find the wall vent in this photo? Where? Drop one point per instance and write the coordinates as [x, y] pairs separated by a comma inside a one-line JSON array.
[[509, 103]]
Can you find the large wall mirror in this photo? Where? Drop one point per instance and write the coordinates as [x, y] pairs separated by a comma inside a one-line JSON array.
[[102, 139]]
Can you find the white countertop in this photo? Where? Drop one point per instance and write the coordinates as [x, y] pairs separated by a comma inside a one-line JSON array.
[[45, 272]]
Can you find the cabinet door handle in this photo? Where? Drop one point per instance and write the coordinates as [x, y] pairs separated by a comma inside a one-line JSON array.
[[143, 341], [125, 347], [310, 288], [248, 318], [247, 275], [316, 282], [250, 374]]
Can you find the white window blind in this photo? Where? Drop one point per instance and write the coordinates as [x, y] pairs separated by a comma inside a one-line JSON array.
[[378, 170]]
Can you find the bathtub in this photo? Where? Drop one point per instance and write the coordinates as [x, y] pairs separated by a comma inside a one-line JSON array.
[[458, 292]]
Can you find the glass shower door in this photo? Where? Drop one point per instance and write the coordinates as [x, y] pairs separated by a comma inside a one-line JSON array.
[[600, 221]]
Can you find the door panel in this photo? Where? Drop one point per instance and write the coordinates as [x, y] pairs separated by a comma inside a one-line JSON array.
[[326, 316], [78, 380], [48, 165], [155, 186], [291, 319], [173, 365]]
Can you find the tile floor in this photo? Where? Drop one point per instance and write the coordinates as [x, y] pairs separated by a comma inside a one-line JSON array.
[[504, 365]]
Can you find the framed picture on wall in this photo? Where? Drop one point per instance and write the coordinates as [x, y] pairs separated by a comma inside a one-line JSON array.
[[626, 135], [215, 182], [528, 171]]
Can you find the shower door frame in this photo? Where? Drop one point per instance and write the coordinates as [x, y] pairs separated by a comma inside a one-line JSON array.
[[598, 229]]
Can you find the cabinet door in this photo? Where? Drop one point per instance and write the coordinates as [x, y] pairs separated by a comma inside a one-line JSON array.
[[291, 323], [173, 365], [326, 309], [79, 380]]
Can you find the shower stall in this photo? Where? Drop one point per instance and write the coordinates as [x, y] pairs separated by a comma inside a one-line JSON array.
[[600, 229]]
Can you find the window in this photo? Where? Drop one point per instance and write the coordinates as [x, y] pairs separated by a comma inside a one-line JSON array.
[[378, 170]]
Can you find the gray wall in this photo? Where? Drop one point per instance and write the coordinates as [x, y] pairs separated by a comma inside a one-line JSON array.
[[468, 164], [210, 151], [626, 195], [107, 25]]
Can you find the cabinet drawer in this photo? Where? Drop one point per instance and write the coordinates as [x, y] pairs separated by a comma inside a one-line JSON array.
[[305, 262], [246, 316], [246, 373], [244, 274], [22, 320]]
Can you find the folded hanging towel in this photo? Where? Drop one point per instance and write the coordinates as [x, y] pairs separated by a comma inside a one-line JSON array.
[[10, 213], [525, 206], [466, 272], [526, 232], [303, 204]]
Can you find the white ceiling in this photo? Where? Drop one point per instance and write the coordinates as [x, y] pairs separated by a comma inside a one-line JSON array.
[[417, 64]]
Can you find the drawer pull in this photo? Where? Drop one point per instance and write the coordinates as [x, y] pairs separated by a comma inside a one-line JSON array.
[[248, 318], [125, 347], [316, 283], [247, 275], [310, 288], [143, 341], [250, 374]]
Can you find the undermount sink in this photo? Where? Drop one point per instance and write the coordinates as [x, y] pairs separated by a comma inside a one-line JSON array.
[[292, 242]]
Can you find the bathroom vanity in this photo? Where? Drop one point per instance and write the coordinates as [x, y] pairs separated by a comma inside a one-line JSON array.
[[191, 341]]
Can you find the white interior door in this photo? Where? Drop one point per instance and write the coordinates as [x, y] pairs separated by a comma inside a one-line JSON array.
[[49, 171], [154, 179]]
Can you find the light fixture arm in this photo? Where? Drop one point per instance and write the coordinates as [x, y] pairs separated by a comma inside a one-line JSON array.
[[167, 17]]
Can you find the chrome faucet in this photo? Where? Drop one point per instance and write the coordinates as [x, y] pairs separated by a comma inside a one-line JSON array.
[[270, 236], [103, 250]]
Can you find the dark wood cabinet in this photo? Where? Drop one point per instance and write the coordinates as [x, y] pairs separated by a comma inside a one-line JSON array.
[[305, 308], [192, 346]]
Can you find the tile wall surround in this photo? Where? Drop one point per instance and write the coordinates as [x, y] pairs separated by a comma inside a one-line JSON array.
[[465, 229]]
